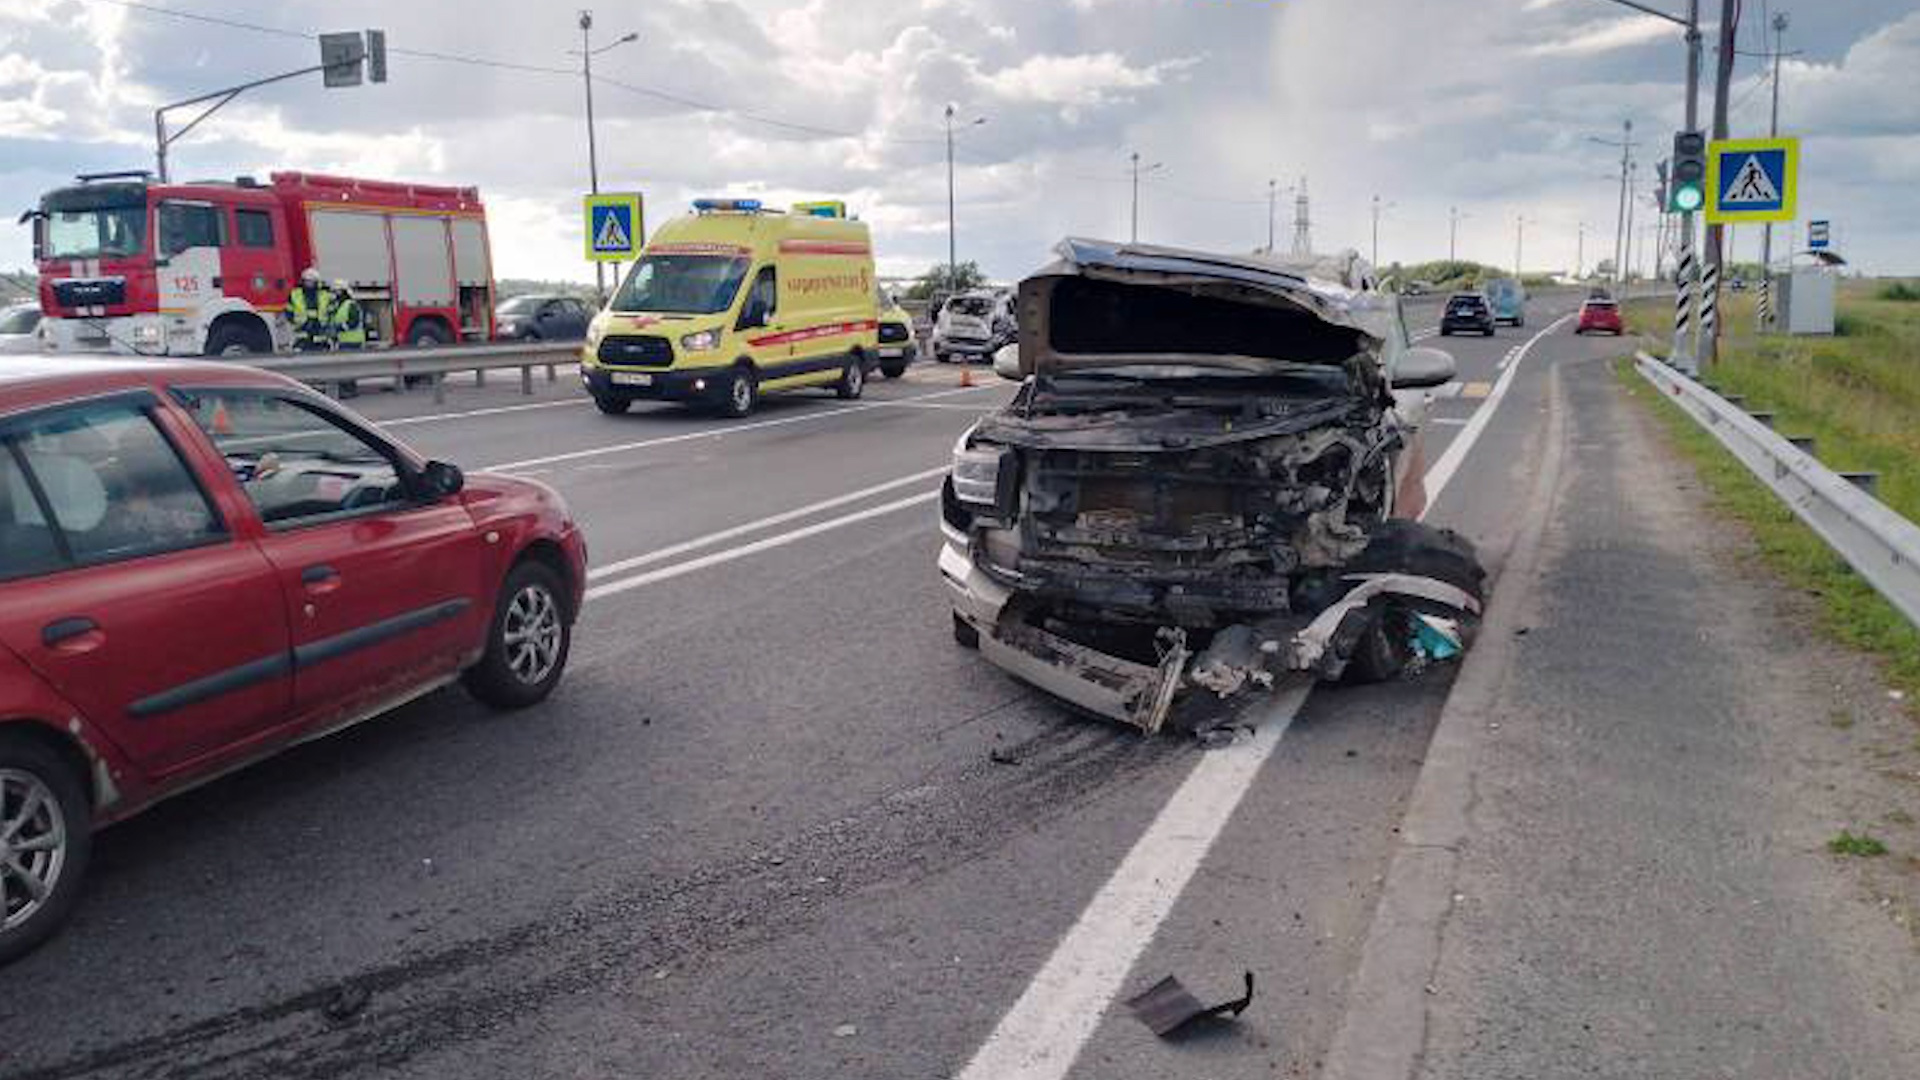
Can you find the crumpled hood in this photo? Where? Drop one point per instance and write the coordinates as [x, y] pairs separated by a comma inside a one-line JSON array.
[[1319, 296]]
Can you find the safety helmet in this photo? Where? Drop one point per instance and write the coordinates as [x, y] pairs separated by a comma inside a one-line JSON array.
[[310, 276], [339, 284]]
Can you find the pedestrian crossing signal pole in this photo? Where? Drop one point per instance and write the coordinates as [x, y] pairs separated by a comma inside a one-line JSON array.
[[1709, 333]]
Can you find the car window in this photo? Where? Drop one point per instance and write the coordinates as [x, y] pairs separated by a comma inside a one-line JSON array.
[[297, 464], [762, 297], [188, 225], [98, 483], [255, 228], [20, 320]]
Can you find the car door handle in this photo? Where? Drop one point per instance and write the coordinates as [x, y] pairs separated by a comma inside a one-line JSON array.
[[320, 579], [75, 633]]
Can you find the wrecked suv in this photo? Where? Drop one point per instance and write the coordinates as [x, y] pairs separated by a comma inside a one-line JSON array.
[[1205, 482]]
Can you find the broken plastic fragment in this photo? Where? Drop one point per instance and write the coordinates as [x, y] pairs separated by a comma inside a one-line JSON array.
[[1167, 1006], [1436, 637]]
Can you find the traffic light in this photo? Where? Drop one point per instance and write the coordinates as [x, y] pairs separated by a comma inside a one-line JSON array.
[[1688, 191]]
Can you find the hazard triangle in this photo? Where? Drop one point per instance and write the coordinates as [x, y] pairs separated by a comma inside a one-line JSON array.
[[1751, 184], [611, 236]]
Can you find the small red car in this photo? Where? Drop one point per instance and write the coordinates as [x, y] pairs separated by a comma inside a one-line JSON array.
[[202, 564], [1599, 315]]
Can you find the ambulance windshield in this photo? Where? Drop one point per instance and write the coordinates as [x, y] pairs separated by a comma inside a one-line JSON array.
[[682, 284]]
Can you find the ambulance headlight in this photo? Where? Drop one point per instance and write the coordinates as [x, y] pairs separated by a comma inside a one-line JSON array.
[[976, 474], [704, 341]]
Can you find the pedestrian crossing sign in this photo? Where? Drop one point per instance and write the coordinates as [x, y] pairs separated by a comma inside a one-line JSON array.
[[616, 226], [1752, 180]]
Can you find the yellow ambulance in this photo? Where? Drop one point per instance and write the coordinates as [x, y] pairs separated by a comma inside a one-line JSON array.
[[734, 300]]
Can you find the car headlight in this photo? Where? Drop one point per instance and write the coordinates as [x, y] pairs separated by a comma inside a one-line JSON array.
[[976, 474], [509, 327], [704, 341]]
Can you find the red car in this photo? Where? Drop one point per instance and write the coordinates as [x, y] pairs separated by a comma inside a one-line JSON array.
[[202, 564], [1599, 315]]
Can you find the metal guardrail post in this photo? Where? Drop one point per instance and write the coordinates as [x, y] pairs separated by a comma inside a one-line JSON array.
[[1880, 545], [439, 389], [526, 380]]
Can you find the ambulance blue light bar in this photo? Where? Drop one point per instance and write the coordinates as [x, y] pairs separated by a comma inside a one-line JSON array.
[[738, 206]]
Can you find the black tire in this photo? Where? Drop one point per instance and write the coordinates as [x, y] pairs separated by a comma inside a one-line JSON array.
[[1407, 547], [743, 392], [238, 339], [27, 763], [1444, 332], [427, 335], [518, 673], [612, 406], [1383, 651], [893, 369], [964, 634], [853, 380]]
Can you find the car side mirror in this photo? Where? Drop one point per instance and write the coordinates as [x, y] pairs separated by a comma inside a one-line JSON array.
[[1422, 367], [441, 480], [1006, 363]]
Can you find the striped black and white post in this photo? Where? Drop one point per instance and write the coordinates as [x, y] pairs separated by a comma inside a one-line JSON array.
[[1683, 295], [1709, 304], [1764, 306]]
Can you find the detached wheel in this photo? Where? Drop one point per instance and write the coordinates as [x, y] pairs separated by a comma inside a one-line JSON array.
[[743, 392], [527, 641], [964, 633], [46, 835], [612, 406], [853, 379]]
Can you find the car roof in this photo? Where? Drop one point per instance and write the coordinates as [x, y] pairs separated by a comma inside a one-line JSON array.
[[34, 381], [1468, 296]]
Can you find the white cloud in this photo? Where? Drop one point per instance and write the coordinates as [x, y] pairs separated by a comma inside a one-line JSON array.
[[1607, 35]]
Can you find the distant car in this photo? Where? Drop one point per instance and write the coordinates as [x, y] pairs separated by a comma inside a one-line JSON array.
[[1737, 284], [541, 318], [965, 327], [897, 347], [1509, 299], [20, 328], [1599, 315], [1467, 311], [1414, 288], [202, 564]]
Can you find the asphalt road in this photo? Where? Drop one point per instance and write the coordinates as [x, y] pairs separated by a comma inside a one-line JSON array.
[[761, 828]]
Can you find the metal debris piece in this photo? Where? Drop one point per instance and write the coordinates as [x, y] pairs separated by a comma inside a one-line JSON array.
[[1001, 757], [346, 1003], [1167, 1006]]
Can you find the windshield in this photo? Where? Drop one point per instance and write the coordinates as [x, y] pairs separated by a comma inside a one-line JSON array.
[[682, 284], [20, 320], [91, 234], [518, 305], [970, 305]]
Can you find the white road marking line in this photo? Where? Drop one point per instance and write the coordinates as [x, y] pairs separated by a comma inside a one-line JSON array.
[[755, 526], [1456, 451], [717, 432], [1044, 1031], [937, 405], [1447, 420], [1040, 1037], [428, 418], [728, 555]]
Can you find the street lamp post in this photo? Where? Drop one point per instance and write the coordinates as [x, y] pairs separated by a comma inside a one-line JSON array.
[[1579, 251], [1133, 232], [1773, 129], [1377, 207], [953, 269], [1273, 196], [587, 53], [1454, 217], [1519, 239]]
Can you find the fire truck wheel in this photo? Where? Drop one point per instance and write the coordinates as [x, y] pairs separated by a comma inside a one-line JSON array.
[[426, 335], [236, 339]]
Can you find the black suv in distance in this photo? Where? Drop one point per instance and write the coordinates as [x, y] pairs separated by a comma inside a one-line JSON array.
[[1467, 311]]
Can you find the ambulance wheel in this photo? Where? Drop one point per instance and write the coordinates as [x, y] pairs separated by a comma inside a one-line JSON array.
[[853, 379], [743, 392], [612, 406]]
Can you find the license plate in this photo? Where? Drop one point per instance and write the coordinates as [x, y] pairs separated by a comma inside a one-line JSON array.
[[629, 378], [888, 353]]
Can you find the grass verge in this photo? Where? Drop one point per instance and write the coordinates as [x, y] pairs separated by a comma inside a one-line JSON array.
[[1861, 846]]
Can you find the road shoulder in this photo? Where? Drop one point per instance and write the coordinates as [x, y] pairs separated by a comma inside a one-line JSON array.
[[1618, 863]]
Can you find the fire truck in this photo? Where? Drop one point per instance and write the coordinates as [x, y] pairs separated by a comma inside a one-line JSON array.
[[128, 265]]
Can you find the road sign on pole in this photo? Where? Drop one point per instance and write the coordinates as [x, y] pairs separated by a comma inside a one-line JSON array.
[[616, 226], [1750, 180], [1819, 234], [341, 57]]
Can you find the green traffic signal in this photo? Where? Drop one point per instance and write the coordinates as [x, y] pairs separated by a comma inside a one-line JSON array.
[[1687, 198]]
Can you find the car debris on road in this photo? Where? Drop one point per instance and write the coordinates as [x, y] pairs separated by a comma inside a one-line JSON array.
[[1206, 484], [1167, 1006]]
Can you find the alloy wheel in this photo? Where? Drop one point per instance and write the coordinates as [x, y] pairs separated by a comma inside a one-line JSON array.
[[531, 634], [33, 846]]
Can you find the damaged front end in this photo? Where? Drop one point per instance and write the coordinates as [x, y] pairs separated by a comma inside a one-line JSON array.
[[1193, 494]]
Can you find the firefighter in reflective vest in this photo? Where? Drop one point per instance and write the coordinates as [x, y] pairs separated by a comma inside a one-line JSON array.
[[349, 319], [310, 308]]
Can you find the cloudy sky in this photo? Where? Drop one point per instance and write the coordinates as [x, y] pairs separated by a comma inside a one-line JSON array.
[[1484, 105]]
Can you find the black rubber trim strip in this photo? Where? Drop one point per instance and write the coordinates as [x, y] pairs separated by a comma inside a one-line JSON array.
[[365, 637], [223, 682]]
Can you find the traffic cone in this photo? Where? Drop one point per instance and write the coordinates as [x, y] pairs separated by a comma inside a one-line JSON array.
[[966, 374], [222, 423]]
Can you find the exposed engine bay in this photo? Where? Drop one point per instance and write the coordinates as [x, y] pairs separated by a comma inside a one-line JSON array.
[[1195, 490]]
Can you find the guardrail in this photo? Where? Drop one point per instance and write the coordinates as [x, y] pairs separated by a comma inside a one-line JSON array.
[[1880, 545], [434, 364]]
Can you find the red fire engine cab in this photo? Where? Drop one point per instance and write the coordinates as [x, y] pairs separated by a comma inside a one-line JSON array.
[[205, 268]]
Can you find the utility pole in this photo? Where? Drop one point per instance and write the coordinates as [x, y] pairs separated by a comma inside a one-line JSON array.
[[953, 266], [1377, 207], [1519, 237], [593, 152], [1134, 229], [1710, 324], [1302, 224], [1579, 251], [1627, 267], [1620, 215], [1453, 232], [1773, 129], [1273, 195]]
